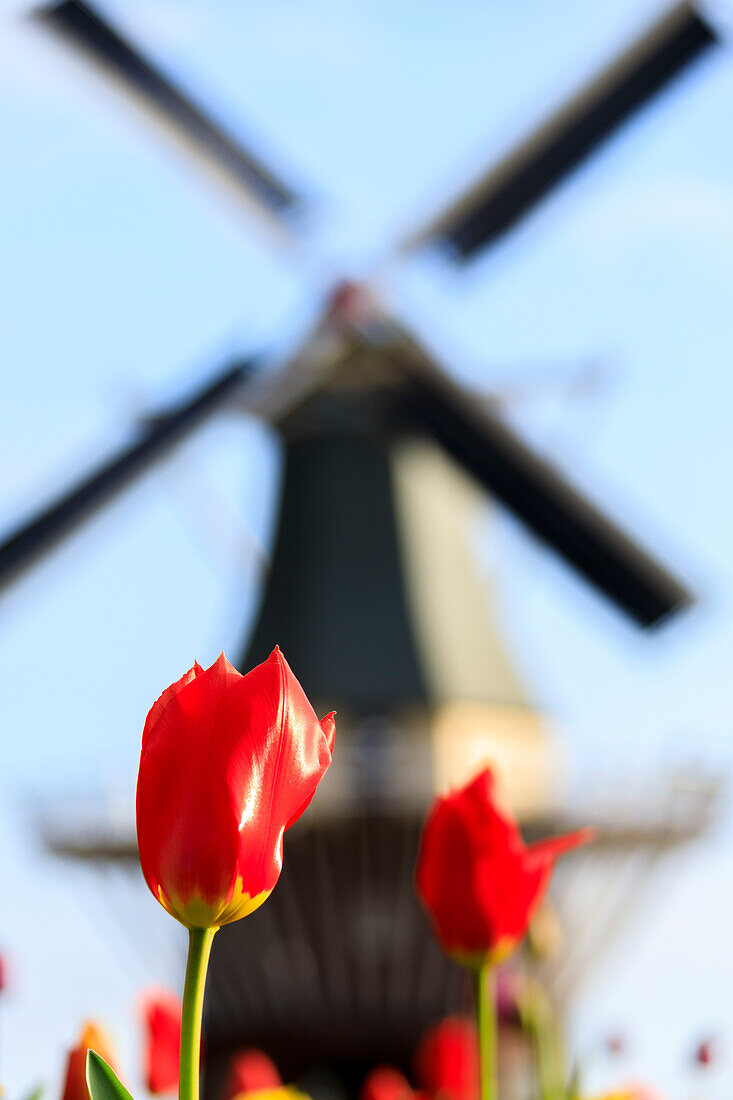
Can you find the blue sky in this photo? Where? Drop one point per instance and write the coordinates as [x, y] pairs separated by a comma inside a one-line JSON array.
[[125, 277]]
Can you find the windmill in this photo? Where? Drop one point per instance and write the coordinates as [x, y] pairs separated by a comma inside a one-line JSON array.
[[381, 446]]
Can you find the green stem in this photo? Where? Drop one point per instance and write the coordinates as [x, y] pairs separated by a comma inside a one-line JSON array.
[[544, 1029], [548, 1064], [199, 947], [485, 1002]]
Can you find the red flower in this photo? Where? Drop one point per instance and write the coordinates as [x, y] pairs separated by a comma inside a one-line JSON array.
[[92, 1038], [705, 1053], [251, 1071], [228, 763], [162, 1020], [446, 1061], [475, 876], [385, 1083]]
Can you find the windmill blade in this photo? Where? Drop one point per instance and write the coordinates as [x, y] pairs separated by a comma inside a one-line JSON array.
[[540, 162], [86, 29], [540, 496], [159, 435]]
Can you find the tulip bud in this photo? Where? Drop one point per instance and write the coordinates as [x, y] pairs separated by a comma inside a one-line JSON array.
[[75, 1083], [251, 1071], [228, 763], [162, 1022], [385, 1083], [475, 876], [447, 1059], [283, 1092], [706, 1053]]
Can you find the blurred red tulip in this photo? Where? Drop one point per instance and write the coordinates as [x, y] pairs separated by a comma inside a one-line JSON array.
[[706, 1053], [92, 1038], [3, 974], [228, 763], [251, 1071], [161, 1013], [446, 1060], [478, 880], [385, 1083]]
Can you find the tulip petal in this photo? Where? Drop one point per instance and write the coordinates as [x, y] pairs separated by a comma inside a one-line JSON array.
[[161, 703], [328, 725], [544, 852], [187, 830], [288, 753]]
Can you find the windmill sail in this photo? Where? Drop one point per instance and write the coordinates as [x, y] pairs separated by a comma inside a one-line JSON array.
[[511, 188], [412, 394], [541, 497], [86, 28], [23, 547]]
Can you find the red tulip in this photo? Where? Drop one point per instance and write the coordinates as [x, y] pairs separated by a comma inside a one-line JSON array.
[[251, 1071], [228, 763], [478, 880], [92, 1038], [446, 1062], [385, 1083], [705, 1053], [162, 1021]]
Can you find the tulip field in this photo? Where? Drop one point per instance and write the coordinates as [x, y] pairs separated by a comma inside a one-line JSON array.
[[228, 763]]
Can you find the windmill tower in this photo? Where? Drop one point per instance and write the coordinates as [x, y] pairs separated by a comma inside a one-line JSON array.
[[374, 593]]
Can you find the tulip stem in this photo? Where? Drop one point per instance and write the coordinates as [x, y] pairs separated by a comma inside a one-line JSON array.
[[199, 948], [485, 1002]]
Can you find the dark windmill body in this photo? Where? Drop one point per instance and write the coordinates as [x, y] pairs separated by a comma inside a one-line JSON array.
[[375, 597]]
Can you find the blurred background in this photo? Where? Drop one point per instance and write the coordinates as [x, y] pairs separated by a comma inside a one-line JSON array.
[[420, 324]]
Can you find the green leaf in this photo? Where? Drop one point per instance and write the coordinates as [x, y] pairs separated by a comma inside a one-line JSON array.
[[102, 1080], [573, 1089]]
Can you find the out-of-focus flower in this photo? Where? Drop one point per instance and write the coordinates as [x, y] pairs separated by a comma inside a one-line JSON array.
[[228, 763], [161, 1012], [251, 1071], [92, 1038], [385, 1083], [284, 1092], [478, 880], [508, 990], [706, 1053], [616, 1044], [446, 1060], [3, 974], [631, 1092]]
